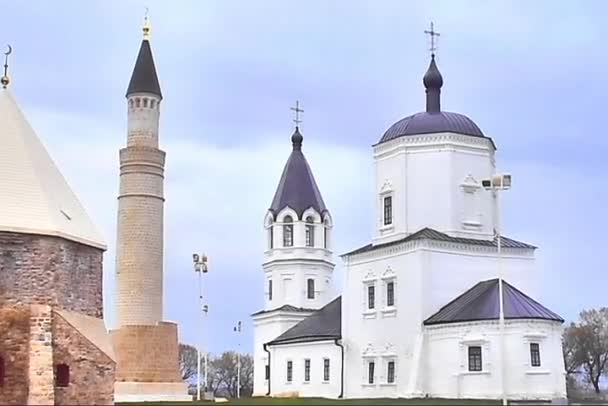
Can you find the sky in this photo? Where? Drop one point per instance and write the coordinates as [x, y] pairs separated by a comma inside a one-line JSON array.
[[530, 74]]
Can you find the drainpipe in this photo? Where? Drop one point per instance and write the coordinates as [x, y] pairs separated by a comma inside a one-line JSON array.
[[269, 374], [341, 368]]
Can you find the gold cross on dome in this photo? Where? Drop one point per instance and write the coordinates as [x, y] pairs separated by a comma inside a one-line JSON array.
[[297, 111], [432, 33]]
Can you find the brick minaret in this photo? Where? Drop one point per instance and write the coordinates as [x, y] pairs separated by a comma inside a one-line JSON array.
[[146, 347], [139, 261]]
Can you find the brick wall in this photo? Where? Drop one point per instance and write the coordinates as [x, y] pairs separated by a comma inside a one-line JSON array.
[[14, 333], [37, 269], [40, 374], [92, 372], [147, 353]]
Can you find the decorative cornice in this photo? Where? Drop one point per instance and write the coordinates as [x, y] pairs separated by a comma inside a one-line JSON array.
[[434, 140]]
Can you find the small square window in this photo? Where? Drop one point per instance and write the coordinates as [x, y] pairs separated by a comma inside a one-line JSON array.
[[475, 358], [534, 354]]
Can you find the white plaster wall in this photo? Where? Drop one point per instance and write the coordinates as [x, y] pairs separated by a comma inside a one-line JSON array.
[[445, 373], [425, 175], [316, 352]]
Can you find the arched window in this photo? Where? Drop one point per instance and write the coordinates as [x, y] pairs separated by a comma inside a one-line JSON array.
[[145, 102], [131, 103], [288, 231], [152, 103], [2, 371], [310, 232], [62, 375], [137, 102], [310, 288]]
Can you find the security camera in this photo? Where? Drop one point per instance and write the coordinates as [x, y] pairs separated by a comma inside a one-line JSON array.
[[486, 183]]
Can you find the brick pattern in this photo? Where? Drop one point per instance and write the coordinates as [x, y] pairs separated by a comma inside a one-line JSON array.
[[147, 353], [36, 269], [41, 375], [92, 372], [14, 349]]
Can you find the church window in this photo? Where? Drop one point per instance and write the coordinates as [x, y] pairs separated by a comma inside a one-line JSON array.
[[310, 232], [388, 210], [310, 288], [306, 370], [267, 372], [289, 371], [269, 289], [2, 371], [137, 102], [371, 297], [62, 375], [288, 232], [370, 372], [145, 102], [535, 354], [475, 358], [270, 237], [152, 103], [326, 369], [390, 376], [390, 294]]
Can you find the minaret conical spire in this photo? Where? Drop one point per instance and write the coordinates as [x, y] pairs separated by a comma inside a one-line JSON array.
[[144, 78]]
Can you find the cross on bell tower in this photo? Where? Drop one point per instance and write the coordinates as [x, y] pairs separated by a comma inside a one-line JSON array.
[[432, 34], [297, 111]]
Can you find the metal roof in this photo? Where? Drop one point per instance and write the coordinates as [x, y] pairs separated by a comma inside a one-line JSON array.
[[297, 187], [286, 308], [324, 324], [430, 234], [144, 78], [481, 302]]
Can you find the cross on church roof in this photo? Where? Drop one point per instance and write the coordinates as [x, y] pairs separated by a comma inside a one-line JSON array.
[[297, 111], [432, 33]]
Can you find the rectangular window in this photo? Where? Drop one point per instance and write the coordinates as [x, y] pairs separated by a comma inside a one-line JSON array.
[[288, 236], [325, 237], [270, 289], [371, 297], [306, 370], [388, 210], [310, 288], [370, 372], [326, 369], [271, 237], [267, 374], [289, 371], [390, 376], [474, 358], [390, 294], [310, 235], [535, 354]]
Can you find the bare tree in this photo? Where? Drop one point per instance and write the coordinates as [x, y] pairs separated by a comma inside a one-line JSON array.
[[586, 346], [188, 361], [223, 375]]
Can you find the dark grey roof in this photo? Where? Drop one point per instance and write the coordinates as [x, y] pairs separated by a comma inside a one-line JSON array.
[[481, 303], [324, 324], [297, 187], [433, 120], [286, 308], [144, 78], [430, 234]]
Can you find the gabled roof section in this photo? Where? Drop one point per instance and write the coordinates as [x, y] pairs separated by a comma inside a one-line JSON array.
[[34, 196], [286, 308], [324, 324], [431, 234], [144, 78], [297, 187], [481, 302]]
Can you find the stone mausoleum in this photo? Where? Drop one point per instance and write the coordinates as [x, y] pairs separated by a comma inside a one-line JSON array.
[[54, 346]]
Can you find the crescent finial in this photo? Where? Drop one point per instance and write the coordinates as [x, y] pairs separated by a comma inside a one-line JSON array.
[[9, 50]]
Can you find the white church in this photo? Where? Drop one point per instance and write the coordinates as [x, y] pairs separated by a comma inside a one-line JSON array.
[[419, 313]]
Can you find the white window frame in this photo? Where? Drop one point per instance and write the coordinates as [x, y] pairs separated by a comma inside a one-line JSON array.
[[482, 342], [534, 338], [388, 277], [370, 280]]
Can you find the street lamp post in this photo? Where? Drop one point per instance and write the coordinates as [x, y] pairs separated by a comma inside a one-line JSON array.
[[200, 267], [495, 184], [237, 329]]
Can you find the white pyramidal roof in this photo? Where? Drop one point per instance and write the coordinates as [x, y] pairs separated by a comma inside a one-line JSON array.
[[34, 196]]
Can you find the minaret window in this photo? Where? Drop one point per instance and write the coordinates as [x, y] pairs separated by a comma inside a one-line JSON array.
[[326, 235], [270, 237], [269, 289], [152, 103], [310, 232], [310, 288], [145, 102], [131, 103], [388, 210], [137, 102], [288, 232]]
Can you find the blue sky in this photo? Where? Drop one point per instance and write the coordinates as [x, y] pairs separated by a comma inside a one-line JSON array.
[[531, 75]]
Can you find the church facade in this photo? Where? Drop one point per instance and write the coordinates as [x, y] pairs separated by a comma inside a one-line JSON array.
[[419, 314]]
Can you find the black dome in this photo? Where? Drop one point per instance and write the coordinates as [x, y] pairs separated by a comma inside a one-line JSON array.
[[428, 123]]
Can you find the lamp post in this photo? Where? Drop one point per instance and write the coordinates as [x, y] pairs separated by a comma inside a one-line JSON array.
[[496, 183], [237, 329], [200, 267]]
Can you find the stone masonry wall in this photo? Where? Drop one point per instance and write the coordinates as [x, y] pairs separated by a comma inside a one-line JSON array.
[[37, 269], [14, 349], [41, 379], [147, 353], [92, 372]]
